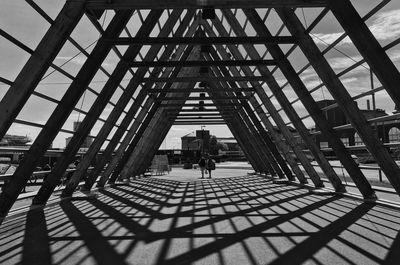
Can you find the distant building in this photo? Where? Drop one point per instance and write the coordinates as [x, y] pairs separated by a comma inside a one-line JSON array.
[[88, 141], [15, 140], [386, 131], [196, 141]]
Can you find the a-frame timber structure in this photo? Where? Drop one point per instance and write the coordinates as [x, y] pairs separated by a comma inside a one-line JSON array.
[[237, 56]]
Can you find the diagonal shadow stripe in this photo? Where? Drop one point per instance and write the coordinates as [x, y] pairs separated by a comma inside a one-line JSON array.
[[304, 250], [36, 240], [190, 227], [139, 230], [137, 206], [220, 244], [101, 250]]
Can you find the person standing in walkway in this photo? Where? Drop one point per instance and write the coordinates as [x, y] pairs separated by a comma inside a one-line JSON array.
[[210, 166], [202, 165]]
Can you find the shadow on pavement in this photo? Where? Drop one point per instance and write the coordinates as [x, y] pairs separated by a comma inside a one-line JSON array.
[[239, 220]]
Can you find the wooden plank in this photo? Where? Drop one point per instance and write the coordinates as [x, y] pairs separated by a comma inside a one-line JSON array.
[[181, 63], [126, 148], [95, 111], [57, 119], [204, 79], [183, 104], [292, 143], [368, 46], [37, 65], [342, 97], [289, 110], [115, 114], [200, 40], [314, 110], [252, 146], [255, 139], [284, 147], [199, 90], [126, 167], [170, 4], [250, 120], [224, 98]]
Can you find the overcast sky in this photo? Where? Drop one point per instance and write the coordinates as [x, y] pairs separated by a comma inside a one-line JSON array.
[[20, 20]]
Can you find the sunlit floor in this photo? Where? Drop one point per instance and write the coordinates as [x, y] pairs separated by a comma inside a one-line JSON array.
[[236, 220]]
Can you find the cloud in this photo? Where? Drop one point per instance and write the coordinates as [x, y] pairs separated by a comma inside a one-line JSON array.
[[386, 26]]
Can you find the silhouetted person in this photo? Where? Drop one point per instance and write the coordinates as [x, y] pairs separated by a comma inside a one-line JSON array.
[[202, 165], [210, 166]]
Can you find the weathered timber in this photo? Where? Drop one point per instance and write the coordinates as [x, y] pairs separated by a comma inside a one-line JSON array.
[[201, 40], [171, 4], [95, 111], [58, 117], [272, 110], [368, 46], [39, 62], [342, 97], [312, 107]]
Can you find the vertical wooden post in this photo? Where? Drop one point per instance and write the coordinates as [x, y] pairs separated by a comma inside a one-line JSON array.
[[312, 107], [342, 97], [37, 65]]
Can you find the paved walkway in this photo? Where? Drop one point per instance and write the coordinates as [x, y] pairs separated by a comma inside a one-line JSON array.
[[173, 220]]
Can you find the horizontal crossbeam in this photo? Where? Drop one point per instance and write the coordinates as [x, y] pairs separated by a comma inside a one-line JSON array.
[[204, 79], [200, 123], [201, 40], [197, 105], [200, 98], [167, 4], [197, 118], [200, 90], [204, 63], [198, 114]]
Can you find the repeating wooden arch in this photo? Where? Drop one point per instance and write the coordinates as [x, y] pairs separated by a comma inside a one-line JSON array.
[[192, 47]]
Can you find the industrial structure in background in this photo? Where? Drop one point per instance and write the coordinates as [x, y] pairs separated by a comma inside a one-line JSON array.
[[244, 64]]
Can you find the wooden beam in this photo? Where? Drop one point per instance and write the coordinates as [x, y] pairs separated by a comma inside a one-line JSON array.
[[267, 145], [342, 97], [197, 115], [124, 153], [173, 105], [187, 4], [201, 63], [277, 138], [309, 103], [256, 140], [291, 141], [118, 74], [197, 112], [95, 111], [204, 79], [37, 65], [200, 40], [199, 90], [115, 114], [58, 117], [368, 46], [202, 99]]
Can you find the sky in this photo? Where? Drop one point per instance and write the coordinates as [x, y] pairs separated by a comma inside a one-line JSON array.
[[21, 21]]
